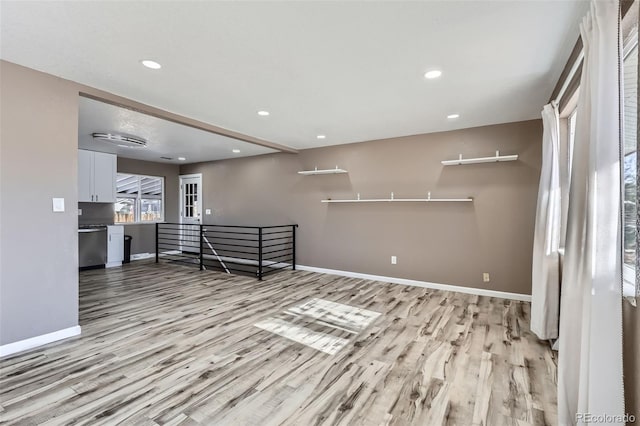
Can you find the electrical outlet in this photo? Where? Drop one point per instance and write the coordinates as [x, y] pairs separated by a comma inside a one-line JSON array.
[[207, 211], [485, 277], [394, 260]]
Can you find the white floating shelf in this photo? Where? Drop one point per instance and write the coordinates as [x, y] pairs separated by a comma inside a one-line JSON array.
[[497, 159], [322, 172], [401, 200]]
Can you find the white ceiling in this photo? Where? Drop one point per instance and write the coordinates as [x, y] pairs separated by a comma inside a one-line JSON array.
[[164, 138], [350, 70]]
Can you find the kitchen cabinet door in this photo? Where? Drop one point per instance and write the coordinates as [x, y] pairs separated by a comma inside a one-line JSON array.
[[85, 176], [115, 245], [104, 177]]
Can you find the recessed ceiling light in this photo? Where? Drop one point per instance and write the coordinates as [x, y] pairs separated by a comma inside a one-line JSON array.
[[263, 113], [453, 116], [182, 159], [151, 64], [236, 151], [321, 137], [432, 74]]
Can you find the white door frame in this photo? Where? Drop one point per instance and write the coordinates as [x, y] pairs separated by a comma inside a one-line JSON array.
[[196, 221]]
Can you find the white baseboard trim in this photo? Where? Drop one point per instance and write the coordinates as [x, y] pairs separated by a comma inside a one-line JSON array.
[[33, 342], [424, 284], [141, 256]]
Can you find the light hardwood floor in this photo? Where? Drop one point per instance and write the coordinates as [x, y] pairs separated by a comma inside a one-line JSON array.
[[171, 345]]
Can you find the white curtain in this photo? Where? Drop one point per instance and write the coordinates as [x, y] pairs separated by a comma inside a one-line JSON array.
[[590, 352], [545, 276]]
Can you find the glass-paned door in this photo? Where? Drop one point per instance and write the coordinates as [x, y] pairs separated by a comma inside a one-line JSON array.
[[190, 211]]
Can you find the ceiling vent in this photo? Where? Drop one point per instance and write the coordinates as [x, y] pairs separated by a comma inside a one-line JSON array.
[[121, 140]]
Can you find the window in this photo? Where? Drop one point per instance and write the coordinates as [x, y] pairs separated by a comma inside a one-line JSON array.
[[629, 131], [572, 137], [140, 199]]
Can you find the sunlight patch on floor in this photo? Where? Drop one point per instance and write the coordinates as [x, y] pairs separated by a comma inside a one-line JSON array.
[[320, 324]]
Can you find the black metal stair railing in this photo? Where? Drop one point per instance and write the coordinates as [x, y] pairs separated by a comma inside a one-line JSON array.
[[253, 250]]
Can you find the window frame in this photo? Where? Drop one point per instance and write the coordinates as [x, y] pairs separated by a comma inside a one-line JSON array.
[[571, 138], [568, 118], [629, 273], [138, 197]]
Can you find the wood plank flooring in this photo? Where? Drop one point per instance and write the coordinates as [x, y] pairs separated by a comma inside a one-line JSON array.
[[171, 345]]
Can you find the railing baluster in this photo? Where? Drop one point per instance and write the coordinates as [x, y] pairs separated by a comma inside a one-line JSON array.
[[157, 248], [260, 254], [201, 248], [293, 254]]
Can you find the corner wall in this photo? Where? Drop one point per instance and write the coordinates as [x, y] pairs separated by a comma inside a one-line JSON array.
[[144, 235], [631, 330], [450, 243], [38, 161]]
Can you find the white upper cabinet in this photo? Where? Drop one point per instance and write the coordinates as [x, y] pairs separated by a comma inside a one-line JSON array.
[[104, 177], [85, 176], [96, 177]]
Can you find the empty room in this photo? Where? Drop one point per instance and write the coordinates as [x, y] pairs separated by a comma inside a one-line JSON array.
[[319, 213]]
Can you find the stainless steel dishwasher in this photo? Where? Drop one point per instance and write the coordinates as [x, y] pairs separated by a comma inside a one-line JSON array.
[[92, 246]]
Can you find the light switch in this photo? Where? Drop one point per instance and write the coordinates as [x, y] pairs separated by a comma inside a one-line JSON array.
[[207, 211], [58, 205]]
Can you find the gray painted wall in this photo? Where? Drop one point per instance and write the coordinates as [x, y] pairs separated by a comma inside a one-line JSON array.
[[451, 243], [144, 237], [38, 161]]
